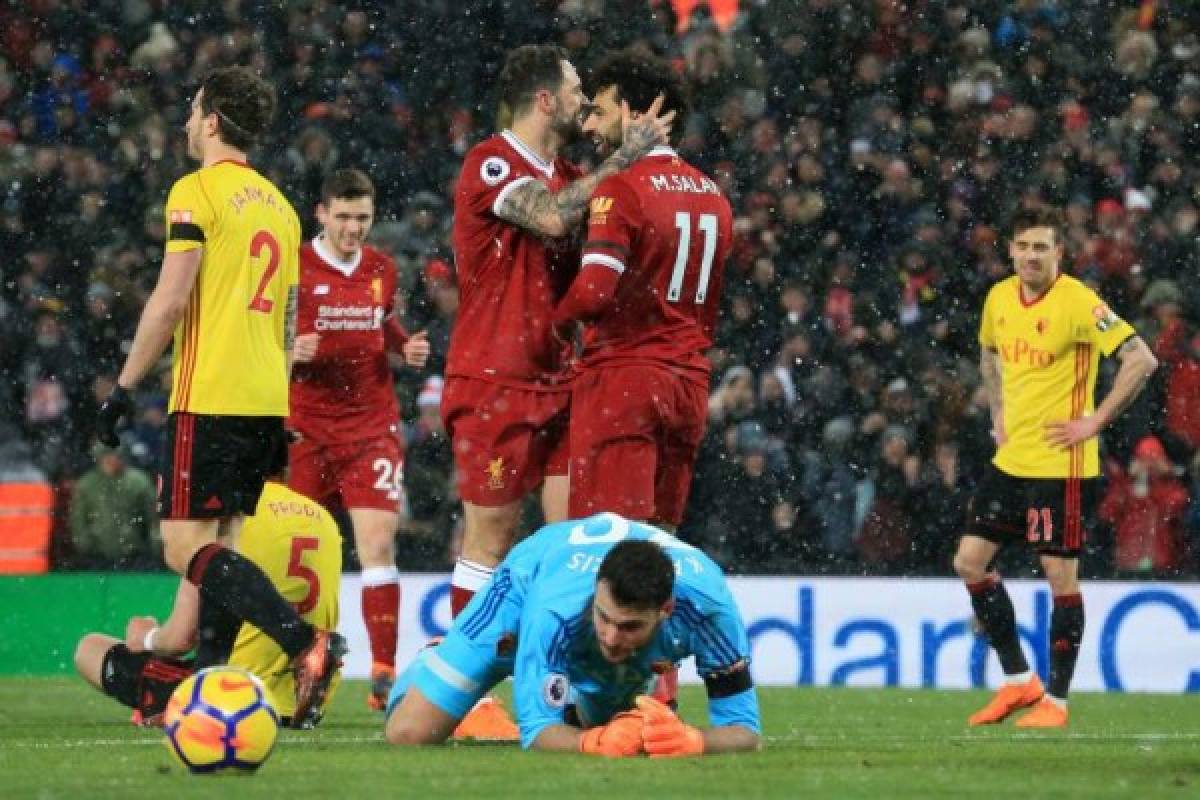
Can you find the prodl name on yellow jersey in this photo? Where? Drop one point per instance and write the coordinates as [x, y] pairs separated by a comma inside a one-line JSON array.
[[297, 544], [1049, 350], [231, 336]]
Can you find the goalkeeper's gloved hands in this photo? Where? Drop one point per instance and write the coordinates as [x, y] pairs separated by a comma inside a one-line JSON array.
[[117, 406], [665, 735], [621, 737]]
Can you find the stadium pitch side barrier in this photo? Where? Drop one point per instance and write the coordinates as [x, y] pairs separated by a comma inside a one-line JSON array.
[[803, 631], [893, 632]]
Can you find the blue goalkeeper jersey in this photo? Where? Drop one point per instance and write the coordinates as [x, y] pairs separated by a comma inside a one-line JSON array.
[[558, 664]]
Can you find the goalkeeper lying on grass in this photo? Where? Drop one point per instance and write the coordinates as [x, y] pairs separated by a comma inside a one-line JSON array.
[[584, 614]]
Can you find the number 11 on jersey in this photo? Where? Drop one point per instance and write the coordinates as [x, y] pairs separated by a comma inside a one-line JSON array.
[[707, 223]]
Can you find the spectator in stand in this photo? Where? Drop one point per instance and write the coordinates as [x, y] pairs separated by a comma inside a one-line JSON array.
[[1147, 506], [898, 406], [753, 509], [1183, 397], [733, 400], [829, 492], [886, 537], [419, 234], [52, 368], [434, 306], [1165, 327], [940, 513], [114, 524], [429, 467], [101, 330]]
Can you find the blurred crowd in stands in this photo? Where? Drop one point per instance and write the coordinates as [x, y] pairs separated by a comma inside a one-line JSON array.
[[872, 149]]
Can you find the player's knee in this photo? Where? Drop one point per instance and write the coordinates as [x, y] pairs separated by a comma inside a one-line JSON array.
[[89, 656], [403, 730], [492, 535], [968, 568], [180, 546], [81, 651], [177, 553], [1062, 579], [497, 522], [376, 551]]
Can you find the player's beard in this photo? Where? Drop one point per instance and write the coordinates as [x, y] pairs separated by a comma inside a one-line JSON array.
[[614, 656], [606, 144], [567, 128]]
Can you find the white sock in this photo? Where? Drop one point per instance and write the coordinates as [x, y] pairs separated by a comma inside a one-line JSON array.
[[470, 575], [1019, 679], [1061, 702], [380, 576]]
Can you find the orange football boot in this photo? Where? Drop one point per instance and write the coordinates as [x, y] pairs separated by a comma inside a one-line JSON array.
[[487, 721], [1009, 698], [1046, 714]]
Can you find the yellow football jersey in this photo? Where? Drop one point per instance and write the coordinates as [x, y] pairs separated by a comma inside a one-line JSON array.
[[1049, 351], [229, 357], [297, 544]]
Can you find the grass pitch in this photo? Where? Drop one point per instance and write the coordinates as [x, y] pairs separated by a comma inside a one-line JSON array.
[[60, 739]]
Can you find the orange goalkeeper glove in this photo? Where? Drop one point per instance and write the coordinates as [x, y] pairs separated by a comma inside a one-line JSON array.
[[665, 735], [622, 736]]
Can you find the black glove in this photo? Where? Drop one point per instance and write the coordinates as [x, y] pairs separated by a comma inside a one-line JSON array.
[[118, 406]]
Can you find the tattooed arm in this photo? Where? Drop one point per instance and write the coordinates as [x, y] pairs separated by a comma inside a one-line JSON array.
[[989, 368], [1137, 365], [535, 208], [289, 326]]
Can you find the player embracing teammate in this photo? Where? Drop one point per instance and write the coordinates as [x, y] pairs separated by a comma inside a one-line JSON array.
[[649, 289], [517, 207], [345, 420]]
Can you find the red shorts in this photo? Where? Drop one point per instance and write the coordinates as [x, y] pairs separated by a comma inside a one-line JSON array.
[[363, 474], [635, 431], [506, 440]]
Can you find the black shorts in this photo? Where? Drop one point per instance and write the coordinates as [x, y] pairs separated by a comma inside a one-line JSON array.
[[1051, 514], [215, 466], [140, 680]]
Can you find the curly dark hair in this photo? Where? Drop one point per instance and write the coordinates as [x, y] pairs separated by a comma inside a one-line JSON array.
[[639, 575], [526, 70], [640, 76], [243, 102]]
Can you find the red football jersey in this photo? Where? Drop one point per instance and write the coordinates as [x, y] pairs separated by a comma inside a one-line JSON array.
[[508, 278], [345, 393], [665, 227]]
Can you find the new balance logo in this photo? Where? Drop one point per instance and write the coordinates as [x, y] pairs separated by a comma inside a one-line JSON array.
[[213, 504]]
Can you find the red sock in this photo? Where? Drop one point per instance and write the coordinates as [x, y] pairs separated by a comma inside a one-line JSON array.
[[468, 578], [459, 597], [381, 612]]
